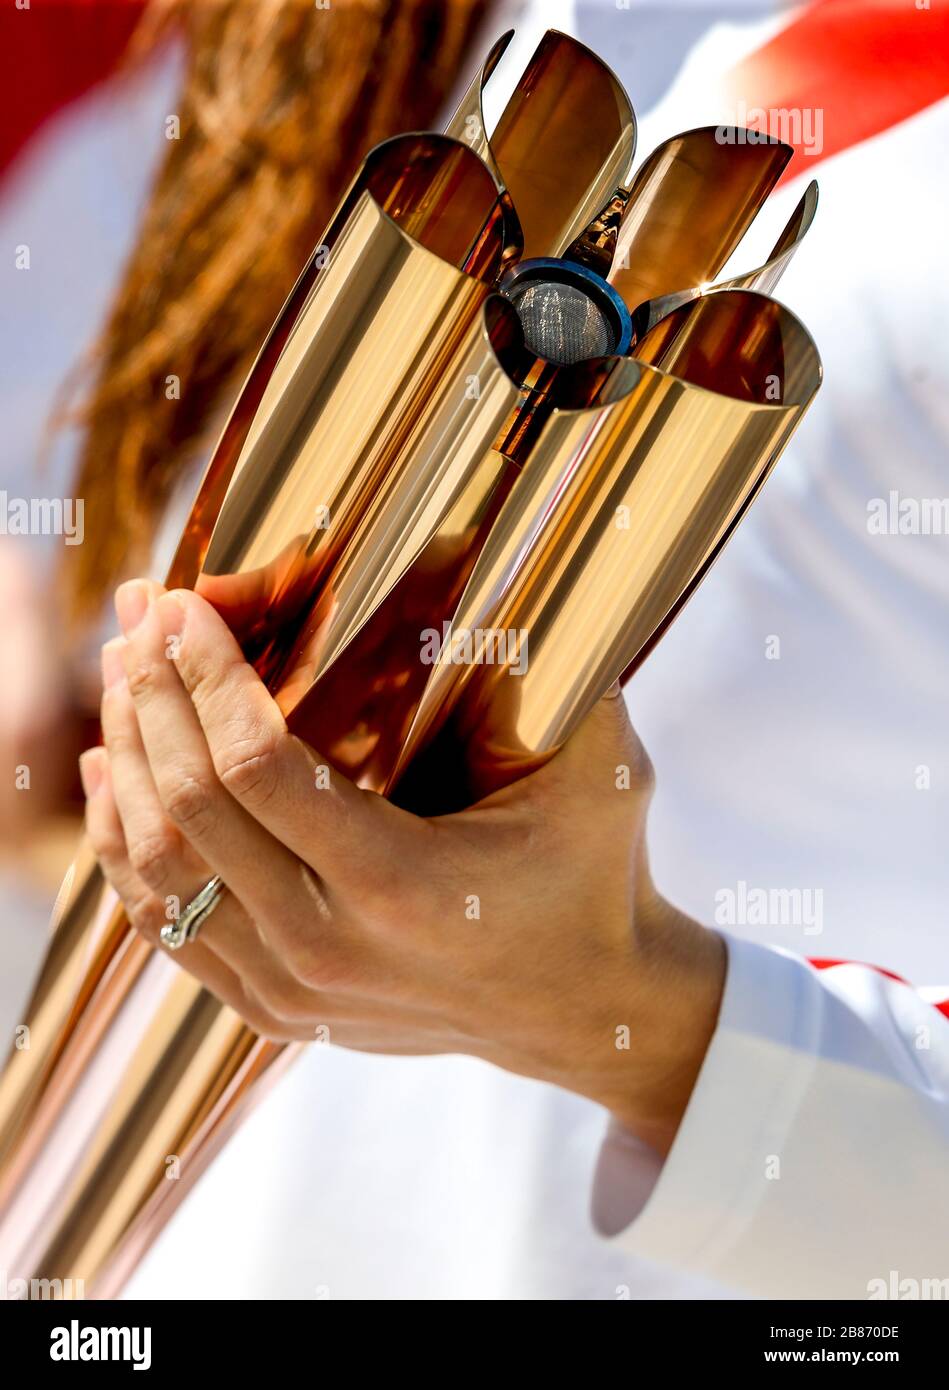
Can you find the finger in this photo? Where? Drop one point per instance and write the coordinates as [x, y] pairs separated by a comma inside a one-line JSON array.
[[340, 830], [148, 907], [153, 862], [132, 600], [277, 889], [153, 843], [274, 1004], [103, 825], [227, 986], [258, 1000]]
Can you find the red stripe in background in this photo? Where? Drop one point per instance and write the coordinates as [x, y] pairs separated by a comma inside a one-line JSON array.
[[53, 53], [865, 64], [825, 963]]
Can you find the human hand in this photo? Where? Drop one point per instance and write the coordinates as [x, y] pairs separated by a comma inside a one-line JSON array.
[[525, 931]]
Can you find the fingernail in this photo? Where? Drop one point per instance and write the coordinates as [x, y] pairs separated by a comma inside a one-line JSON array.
[[131, 603], [113, 667], [90, 770]]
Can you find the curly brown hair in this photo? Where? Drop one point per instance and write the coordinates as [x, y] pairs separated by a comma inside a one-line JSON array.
[[280, 100]]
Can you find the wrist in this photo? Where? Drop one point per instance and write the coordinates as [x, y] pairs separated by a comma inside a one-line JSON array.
[[679, 969]]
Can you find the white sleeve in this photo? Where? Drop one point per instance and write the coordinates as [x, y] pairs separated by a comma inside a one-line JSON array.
[[813, 1157]]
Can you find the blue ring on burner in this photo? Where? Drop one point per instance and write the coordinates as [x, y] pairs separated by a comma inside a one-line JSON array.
[[562, 271]]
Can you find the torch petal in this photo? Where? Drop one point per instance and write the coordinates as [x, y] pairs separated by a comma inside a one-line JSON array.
[[690, 204], [563, 143]]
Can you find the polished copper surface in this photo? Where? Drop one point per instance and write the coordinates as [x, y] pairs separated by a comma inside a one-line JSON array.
[[425, 189], [690, 204], [624, 504], [764, 278], [563, 143]]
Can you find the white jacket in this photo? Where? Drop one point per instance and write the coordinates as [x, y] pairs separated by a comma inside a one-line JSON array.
[[812, 1160]]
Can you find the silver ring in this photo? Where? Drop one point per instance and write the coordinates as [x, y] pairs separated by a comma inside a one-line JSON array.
[[185, 928]]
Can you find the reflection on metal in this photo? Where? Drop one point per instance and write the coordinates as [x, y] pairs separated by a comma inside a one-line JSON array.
[[689, 206], [398, 460], [626, 501], [765, 278], [596, 245], [563, 143]]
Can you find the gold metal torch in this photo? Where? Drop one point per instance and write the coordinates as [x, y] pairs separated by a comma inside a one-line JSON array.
[[505, 395]]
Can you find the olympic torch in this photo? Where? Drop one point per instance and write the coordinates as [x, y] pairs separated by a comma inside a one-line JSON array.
[[505, 394]]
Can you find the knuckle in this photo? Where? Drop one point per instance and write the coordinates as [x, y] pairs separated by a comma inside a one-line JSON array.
[[249, 770], [188, 801], [118, 724], [286, 1001], [256, 1014], [271, 1030], [204, 678], [109, 847], [647, 772], [324, 967], [150, 857], [382, 893], [642, 772], [142, 677], [146, 914]]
